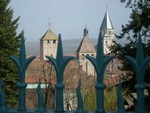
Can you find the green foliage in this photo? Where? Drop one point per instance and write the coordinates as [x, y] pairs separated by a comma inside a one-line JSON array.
[[138, 23], [110, 96], [9, 42], [110, 99], [89, 99]]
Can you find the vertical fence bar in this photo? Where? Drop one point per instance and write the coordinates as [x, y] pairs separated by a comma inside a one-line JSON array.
[[120, 100], [80, 108], [2, 98], [139, 63], [100, 97], [22, 64], [41, 107], [140, 98], [100, 64], [22, 96], [59, 63]]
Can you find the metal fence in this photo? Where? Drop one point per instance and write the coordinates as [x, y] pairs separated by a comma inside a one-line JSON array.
[[100, 62]]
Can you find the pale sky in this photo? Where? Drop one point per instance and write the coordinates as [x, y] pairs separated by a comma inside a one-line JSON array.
[[67, 17]]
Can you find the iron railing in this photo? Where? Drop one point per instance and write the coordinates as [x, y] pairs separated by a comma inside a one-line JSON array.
[[100, 62]]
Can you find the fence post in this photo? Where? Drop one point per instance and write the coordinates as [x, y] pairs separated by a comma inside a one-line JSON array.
[[100, 64], [139, 63], [22, 64], [59, 63], [80, 108]]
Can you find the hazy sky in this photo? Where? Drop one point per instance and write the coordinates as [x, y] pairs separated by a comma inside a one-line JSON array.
[[67, 17]]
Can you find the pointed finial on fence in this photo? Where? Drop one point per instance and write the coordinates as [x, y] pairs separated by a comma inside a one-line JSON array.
[[22, 63], [2, 97], [120, 100], [41, 107], [79, 98]]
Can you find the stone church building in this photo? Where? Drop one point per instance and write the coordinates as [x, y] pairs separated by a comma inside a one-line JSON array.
[[48, 45], [87, 48]]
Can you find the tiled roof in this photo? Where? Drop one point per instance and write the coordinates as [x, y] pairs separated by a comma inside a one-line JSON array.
[[49, 35], [35, 79], [86, 46]]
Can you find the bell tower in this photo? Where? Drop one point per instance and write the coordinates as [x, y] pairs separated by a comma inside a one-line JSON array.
[[48, 45], [108, 33]]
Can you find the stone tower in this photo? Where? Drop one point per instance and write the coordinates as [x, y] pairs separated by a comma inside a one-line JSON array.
[[48, 45], [86, 48], [108, 33], [108, 36]]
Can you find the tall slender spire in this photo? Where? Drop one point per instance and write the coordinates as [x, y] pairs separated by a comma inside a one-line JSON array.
[[106, 23]]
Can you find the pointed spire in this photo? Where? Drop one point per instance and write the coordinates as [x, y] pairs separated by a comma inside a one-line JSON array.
[[106, 23]]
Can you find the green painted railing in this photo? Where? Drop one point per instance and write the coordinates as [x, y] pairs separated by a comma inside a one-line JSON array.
[[100, 62]]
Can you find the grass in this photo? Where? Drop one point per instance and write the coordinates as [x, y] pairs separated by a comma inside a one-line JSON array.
[[110, 99]]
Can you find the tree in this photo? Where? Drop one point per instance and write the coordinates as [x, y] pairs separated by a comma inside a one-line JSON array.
[[9, 42], [138, 23]]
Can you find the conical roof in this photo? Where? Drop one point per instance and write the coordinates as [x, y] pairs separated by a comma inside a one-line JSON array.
[[49, 35], [106, 23], [86, 46]]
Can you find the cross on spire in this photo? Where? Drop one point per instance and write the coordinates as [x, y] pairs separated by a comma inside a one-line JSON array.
[[49, 23], [106, 7]]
